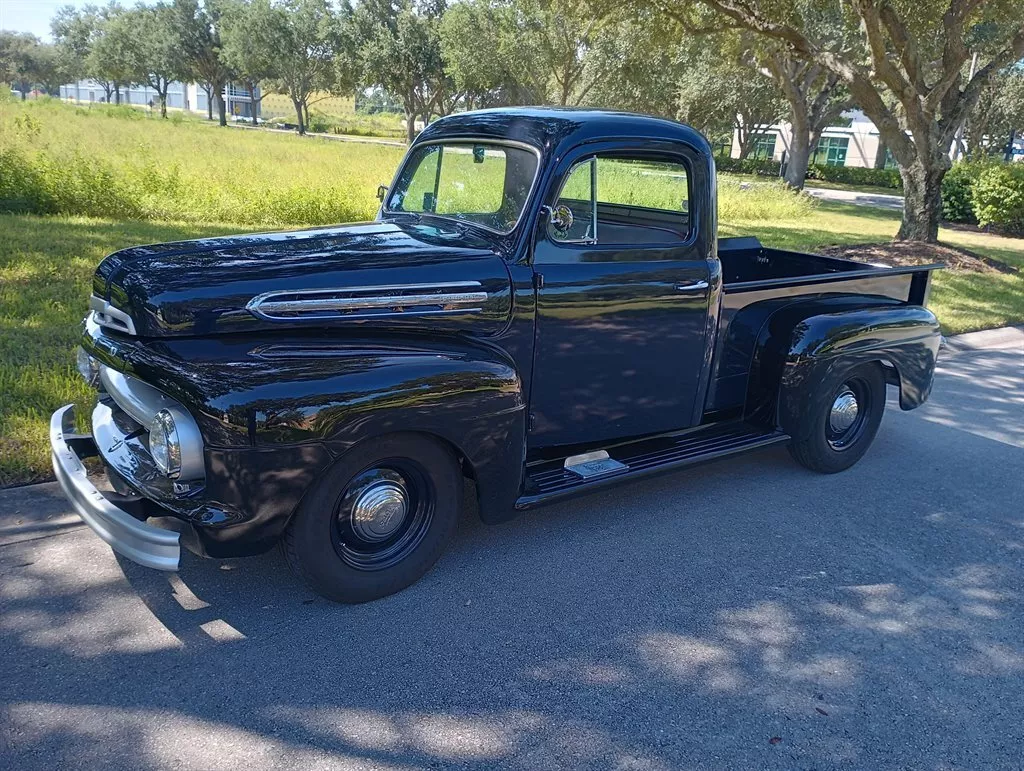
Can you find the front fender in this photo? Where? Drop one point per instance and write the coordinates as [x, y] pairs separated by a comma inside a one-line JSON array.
[[905, 336], [468, 395]]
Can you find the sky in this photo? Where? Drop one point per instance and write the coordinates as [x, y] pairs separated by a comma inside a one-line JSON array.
[[33, 15]]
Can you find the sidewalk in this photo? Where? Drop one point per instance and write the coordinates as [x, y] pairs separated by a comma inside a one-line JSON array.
[[1001, 339]]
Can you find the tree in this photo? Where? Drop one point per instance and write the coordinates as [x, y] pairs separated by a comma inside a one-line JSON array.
[[999, 115], [903, 62], [816, 99], [154, 48], [637, 64], [478, 41], [74, 32], [400, 51], [303, 36], [199, 31], [16, 59], [47, 68], [252, 38], [112, 52], [722, 91], [507, 51]]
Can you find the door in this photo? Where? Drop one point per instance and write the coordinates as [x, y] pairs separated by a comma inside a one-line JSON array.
[[624, 288]]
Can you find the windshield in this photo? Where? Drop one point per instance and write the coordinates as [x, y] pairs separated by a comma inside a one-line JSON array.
[[485, 184]]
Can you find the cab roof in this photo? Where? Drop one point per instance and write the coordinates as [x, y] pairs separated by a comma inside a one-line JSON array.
[[551, 129]]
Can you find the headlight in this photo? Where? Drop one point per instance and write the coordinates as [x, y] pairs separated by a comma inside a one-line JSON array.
[[164, 444], [87, 366]]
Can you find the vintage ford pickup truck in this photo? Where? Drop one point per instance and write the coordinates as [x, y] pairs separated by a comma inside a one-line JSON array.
[[542, 307]]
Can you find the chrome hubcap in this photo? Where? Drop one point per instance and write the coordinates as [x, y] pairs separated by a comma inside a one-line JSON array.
[[380, 510], [844, 411]]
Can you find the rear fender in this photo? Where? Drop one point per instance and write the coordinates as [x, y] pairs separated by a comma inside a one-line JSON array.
[[798, 357]]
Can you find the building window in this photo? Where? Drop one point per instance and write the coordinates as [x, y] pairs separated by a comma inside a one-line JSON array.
[[831, 151], [764, 147]]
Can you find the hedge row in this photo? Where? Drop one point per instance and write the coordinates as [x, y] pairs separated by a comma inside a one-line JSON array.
[[850, 175]]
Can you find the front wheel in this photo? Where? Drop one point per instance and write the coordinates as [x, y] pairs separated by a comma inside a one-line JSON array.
[[378, 520], [836, 436]]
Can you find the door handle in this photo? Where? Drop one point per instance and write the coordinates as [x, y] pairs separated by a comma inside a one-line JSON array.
[[696, 286]]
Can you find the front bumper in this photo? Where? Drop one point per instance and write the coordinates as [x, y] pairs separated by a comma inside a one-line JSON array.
[[129, 536]]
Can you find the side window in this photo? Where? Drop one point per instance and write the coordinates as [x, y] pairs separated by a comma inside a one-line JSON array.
[[622, 199]]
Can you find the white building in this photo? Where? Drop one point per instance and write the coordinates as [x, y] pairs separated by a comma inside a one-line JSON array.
[[180, 96], [855, 142]]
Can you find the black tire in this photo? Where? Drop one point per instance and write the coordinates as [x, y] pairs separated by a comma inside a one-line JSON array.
[[825, 448], [349, 555]]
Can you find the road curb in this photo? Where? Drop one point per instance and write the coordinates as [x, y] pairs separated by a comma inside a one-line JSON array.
[[1003, 338]]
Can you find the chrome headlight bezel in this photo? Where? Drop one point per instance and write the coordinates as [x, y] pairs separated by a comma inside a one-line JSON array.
[[165, 444]]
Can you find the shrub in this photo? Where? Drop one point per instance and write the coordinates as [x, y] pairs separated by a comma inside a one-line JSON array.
[[755, 166], [998, 197], [853, 175], [956, 192]]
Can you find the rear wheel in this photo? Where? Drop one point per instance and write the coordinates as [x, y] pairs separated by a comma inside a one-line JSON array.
[[837, 435], [378, 521]]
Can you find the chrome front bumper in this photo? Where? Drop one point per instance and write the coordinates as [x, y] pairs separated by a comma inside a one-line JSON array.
[[150, 546]]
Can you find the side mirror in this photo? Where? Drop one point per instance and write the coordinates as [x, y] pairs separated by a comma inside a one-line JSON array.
[[560, 217], [382, 191]]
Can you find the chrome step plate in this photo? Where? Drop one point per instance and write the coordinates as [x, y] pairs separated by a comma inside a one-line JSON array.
[[593, 464]]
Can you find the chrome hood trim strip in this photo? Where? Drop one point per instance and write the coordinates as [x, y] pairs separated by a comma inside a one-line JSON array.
[[369, 301]]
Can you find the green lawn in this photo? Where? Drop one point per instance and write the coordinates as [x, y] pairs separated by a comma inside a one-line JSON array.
[[146, 180]]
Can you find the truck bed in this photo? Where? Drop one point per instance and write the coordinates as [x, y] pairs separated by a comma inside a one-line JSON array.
[[747, 265], [758, 281]]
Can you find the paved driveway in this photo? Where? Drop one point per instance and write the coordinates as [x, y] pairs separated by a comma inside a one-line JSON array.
[[748, 614], [894, 202]]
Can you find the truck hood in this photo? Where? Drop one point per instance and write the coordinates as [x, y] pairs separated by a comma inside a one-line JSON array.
[[389, 274]]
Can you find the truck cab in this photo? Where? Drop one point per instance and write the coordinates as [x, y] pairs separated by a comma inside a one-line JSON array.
[[542, 306]]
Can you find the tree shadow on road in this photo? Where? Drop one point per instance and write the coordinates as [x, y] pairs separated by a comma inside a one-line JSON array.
[[743, 614]]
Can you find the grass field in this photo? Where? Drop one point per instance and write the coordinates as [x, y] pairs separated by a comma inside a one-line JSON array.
[[155, 181]]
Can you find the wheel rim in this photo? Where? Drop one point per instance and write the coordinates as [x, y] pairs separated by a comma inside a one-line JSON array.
[[382, 515], [848, 414]]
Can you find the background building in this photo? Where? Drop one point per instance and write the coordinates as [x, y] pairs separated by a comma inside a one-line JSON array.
[[853, 142], [180, 96]]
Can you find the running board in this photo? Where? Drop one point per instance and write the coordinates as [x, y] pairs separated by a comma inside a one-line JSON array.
[[552, 480]]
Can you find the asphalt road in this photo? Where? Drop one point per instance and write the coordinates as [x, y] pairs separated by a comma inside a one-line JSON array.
[[747, 614]]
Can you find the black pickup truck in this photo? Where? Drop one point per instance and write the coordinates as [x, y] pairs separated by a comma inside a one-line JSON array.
[[542, 307]]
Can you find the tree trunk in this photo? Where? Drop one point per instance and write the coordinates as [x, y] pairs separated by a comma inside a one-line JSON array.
[[799, 153], [252, 103], [298, 113], [163, 104], [305, 112], [222, 110], [209, 103], [117, 95], [410, 126], [922, 201]]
